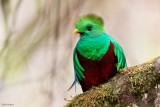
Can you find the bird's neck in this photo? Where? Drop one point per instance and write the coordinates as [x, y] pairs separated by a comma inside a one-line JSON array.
[[93, 47]]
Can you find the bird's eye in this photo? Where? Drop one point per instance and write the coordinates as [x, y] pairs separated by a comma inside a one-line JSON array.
[[89, 28]]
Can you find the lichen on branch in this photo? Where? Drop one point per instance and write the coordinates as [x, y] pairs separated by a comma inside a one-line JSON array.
[[126, 88]]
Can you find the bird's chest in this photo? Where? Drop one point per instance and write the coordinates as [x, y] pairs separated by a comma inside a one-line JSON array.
[[93, 49], [98, 71]]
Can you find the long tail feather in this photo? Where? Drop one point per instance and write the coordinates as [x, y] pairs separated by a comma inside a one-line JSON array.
[[71, 86]]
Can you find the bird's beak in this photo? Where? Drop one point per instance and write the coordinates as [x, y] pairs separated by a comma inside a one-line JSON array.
[[75, 31]]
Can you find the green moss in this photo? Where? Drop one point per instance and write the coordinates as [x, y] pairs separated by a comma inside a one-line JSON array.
[[126, 88]]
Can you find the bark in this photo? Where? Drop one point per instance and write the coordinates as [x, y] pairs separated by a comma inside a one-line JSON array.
[[126, 88]]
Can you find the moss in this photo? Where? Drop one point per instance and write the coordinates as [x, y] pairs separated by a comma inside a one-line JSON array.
[[126, 88]]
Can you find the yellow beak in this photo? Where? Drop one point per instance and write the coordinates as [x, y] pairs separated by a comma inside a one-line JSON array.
[[75, 31]]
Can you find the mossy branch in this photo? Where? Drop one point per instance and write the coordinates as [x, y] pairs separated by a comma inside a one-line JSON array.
[[127, 87]]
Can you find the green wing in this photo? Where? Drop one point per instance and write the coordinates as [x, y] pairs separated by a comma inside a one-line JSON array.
[[77, 68], [120, 54]]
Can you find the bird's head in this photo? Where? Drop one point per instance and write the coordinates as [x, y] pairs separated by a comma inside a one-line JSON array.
[[89, 26]]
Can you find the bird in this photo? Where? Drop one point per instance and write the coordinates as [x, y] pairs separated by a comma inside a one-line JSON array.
[[97, 57]]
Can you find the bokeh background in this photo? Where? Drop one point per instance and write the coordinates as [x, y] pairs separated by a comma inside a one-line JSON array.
[[36, 44]]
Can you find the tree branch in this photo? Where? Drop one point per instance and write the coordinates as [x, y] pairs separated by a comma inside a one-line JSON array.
[[126, 88]]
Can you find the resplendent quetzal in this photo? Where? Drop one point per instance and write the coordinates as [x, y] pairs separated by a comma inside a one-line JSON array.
[[97, 56]]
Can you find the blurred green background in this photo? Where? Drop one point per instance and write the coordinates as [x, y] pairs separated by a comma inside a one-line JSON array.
[[36, 44]]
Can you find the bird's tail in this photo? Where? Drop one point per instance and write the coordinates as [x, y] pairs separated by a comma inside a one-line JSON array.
[[71, 86]]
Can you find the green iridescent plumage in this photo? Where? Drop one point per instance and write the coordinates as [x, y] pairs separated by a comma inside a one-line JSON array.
[[90, 20], [94, 44]]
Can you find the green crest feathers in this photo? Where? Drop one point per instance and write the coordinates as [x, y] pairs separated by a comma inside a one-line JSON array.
[[90, 17]]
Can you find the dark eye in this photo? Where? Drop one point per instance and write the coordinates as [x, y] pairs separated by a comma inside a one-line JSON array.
[[89, 28]]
